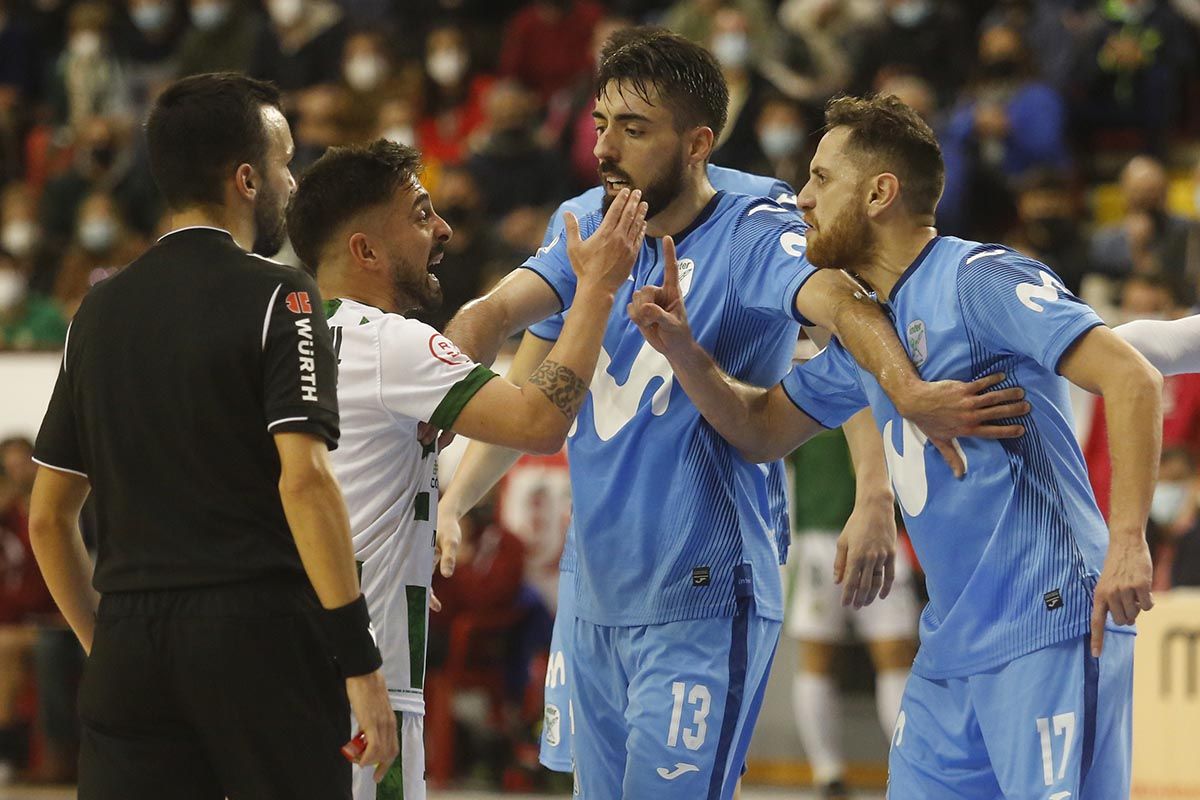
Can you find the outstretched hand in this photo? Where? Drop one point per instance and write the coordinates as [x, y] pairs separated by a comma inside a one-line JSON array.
[[659, 312], [608, 255]]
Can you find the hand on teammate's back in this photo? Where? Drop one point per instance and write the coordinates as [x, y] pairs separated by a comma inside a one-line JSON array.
[[607, 256], [369, 702]]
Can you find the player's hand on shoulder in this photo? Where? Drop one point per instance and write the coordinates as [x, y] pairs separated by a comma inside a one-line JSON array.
[[1124, 586], [946, 410], [369, 702], [606, 258], [659, 312]]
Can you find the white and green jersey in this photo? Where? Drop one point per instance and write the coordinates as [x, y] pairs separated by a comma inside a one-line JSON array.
[[394, 373]]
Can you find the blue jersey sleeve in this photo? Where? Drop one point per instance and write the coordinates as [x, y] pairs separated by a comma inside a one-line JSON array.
[[1016, 305], [551, 263], [827, 387], [551, 327], [767, 262]]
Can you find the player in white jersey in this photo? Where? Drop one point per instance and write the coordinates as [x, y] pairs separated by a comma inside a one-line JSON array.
[[362, 221]]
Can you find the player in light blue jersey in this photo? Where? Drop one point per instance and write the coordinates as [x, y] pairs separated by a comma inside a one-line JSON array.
[[1006, 699], [482, 466], [677, 587]]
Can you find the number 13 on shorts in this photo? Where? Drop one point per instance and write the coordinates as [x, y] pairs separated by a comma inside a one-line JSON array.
[[698, 702]]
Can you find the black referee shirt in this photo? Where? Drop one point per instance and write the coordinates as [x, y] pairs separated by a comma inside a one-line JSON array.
[[175, 375]]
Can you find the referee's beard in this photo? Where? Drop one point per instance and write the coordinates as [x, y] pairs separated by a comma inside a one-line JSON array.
[[270, 221]]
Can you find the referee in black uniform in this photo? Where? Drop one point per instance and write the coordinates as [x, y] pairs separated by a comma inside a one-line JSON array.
[[197, 401]]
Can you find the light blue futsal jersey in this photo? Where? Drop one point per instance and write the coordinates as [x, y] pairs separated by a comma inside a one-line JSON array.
[[664, 508], [722, 179], [1011, 552]]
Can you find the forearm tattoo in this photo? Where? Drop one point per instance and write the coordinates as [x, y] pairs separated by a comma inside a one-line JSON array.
[[561, 386]]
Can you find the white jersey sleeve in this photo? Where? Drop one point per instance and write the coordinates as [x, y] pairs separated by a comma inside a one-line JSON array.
[[424, 376]]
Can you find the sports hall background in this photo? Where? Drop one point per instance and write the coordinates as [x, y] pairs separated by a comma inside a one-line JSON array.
[[1070, 128]]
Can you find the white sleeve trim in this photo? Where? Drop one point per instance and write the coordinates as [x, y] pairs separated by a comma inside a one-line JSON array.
[[287, 419], [267, 318], [66, 343], [60, 469]]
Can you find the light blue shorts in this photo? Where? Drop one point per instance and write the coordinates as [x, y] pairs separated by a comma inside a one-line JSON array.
[[667, 711], [1055, 724], [557, 730]]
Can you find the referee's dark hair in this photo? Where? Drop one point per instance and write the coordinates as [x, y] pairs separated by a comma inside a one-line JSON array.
[[687, 78], [894, 138], [200, 129], [342, 183]]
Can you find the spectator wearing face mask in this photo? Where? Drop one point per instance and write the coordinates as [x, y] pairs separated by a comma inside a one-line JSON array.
[[928, 38], [695, 20], [1148, 238], [738, 147], [148, 35], [88, 79], [782, 131], [1048, 226], [102, 246], [1006, 124], [28, 321], [22, 240], [547, 44], [452, 98], [221, 37], [1174, 528], [1149, 297], [369, 78], [103, 160], [301, 47]]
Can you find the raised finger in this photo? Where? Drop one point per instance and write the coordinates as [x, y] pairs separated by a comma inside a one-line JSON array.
[[614, 211], [670, 267], [629, 213], [571, 224]]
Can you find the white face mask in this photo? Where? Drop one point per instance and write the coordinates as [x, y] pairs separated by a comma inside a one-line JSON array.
[[208, 16], [97, 235], [1169, 497], [780, 141], [731, 49], [446, 67], [910, 13], [365, 72], [12, 288], [286, 12], [85, 44], [19, 237], [401, 134], [151, 18]]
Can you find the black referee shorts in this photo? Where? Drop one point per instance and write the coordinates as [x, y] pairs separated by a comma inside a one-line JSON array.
[[203, 694]]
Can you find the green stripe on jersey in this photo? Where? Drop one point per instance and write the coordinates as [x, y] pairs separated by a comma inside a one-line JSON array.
[[459, 395], [331, 307], [418, 601], [392, 785], [421, 507]]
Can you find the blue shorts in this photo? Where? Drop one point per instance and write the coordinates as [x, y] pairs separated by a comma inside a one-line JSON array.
[[667, 711], [1055, 724], [559, 725]]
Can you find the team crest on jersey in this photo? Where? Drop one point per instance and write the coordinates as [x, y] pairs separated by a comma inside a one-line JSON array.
[[446, 351], [687, 268], [553, 725], [918, 345], [298, 303]]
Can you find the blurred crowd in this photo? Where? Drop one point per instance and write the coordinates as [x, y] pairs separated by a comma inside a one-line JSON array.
[[1070, 129]]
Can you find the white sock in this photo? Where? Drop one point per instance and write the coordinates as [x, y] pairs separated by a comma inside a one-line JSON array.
[[818, 712], [889, 690]]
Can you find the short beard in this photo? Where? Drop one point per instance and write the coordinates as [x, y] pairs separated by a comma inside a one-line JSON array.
[[846, 243], [415, 288], [657, 194], [270, 223]]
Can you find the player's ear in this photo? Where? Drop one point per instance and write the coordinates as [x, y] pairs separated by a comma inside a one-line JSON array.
[[701, 145], [245, 182], [883, 191], [361, 250]]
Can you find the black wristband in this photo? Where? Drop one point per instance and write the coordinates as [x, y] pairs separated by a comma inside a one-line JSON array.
[[347, 630]]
